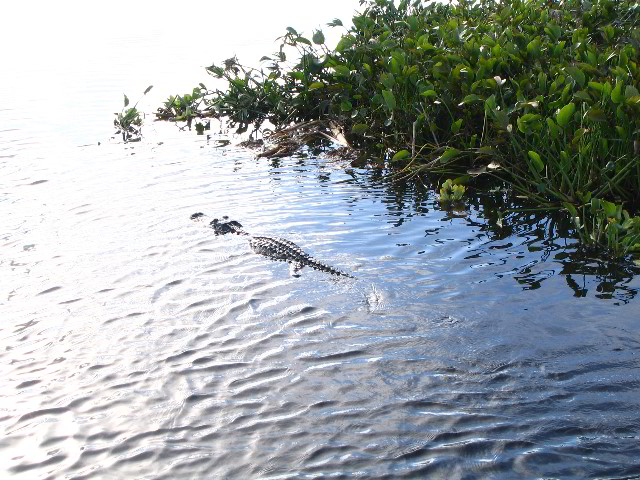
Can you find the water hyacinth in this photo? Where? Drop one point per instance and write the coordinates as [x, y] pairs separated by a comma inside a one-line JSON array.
[[128, 121], [549, 92], [450, 192]]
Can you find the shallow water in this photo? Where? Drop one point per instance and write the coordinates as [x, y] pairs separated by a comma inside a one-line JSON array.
[[137, 343], [134, 343]]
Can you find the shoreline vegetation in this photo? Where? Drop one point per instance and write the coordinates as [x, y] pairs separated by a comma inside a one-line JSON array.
[[542, 95]]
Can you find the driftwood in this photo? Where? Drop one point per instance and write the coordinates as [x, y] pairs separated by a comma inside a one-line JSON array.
[[288, 140]]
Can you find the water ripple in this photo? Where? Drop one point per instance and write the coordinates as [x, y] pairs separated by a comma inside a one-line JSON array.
[[140, 345]]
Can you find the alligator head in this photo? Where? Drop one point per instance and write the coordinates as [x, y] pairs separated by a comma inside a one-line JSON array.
[[222, 228]]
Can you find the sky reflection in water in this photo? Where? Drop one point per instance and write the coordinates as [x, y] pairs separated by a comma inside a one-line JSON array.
[[137, 344]]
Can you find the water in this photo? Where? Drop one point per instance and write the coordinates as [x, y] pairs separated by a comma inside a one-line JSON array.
[[136, 344]]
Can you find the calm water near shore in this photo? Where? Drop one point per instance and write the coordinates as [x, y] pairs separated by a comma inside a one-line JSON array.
[[136, 344]]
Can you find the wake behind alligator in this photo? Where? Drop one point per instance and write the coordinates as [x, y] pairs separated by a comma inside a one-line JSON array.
[[273, 247]]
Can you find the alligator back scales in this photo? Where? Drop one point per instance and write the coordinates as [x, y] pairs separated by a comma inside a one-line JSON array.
[[273, 247]]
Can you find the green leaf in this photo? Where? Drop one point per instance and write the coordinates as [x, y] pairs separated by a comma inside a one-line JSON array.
[[316, 85], [490, 104], [558, 47], [345, 42], [537, 162], [565, 113], [130, 114], [401, 155], [389, 99], [597, 115], [395, 65], [616, 93], [578, 135], [470, 99], [342, 70], [318, 37], [583, 95], [501, 119], [413, 22], [554, 31], [576, 74], [487, 150], [429, 93], [609, 208], [528, 122], [440, 70], [126, 101], [533, 47], [455, 126], [336, 22], [584, 197], [554, 129], [630, 91], [633, 100], [449, 154], [423, 43], [388, 80], [530, 117], [359, 128], [148, 89], [572, 210], [346, 106]]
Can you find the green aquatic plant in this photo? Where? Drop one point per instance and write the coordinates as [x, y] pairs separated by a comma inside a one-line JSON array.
[[607, 224], [183, 108], [549, 94], [451, 192], [128, 121]]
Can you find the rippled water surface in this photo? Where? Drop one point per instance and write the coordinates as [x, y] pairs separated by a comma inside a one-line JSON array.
[[134, 343]]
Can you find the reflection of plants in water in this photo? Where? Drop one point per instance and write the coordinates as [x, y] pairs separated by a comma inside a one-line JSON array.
[[551, 235], [508, 221], [128, 121], [611, 277]]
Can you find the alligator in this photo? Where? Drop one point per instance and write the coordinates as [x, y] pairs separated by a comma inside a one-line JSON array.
[[272, 247]]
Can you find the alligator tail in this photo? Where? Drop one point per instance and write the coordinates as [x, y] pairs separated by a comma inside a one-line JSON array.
[[322, 267]]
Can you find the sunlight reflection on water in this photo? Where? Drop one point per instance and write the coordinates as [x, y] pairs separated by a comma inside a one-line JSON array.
[[135, 343], [142, 344]]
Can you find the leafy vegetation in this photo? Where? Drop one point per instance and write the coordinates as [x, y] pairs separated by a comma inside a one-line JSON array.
[[128, 121], [451, 192], [183, 108], [607, 224], [542, 94]]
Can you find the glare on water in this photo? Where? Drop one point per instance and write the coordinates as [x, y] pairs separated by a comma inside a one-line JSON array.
[[134, 343]]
